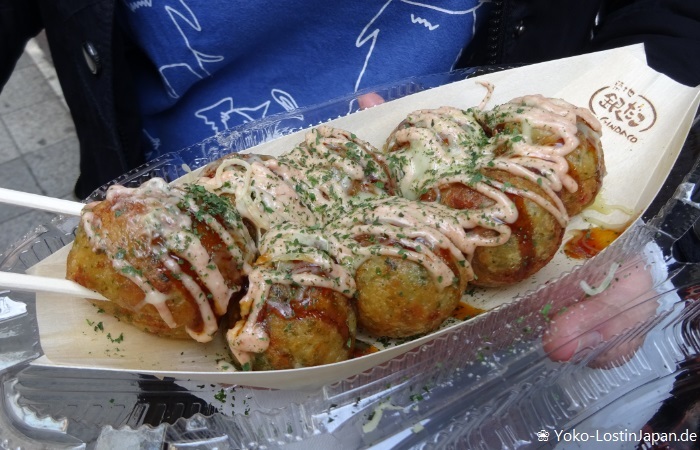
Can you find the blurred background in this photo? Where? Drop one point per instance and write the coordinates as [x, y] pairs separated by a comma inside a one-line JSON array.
[[38, 145]]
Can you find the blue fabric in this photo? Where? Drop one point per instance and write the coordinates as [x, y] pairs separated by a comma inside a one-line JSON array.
[[220, 63]]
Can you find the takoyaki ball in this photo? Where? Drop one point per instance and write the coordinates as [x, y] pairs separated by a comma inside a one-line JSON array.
[[298, 309], [432, 145], [529, 164], [444, 156], [306, 326], [94, 270], [536, 236], [398, 298], [408, 262], [333, 166], [252, 184], [553, 123], [168, 259]]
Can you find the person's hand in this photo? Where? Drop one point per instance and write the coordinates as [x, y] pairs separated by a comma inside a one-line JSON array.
[[365, 101], [628, 301]]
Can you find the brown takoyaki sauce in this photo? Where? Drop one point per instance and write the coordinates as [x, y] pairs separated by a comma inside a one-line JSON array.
[[466, 311], [585, 244], [319, 212]]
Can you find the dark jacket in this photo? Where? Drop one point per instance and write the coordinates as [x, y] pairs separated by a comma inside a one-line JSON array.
[[91, 56]]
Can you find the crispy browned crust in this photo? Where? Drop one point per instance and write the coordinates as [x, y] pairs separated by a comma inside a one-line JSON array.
[[398, 298], [307, 326], [535, 236], [587, 167], [94, 270]]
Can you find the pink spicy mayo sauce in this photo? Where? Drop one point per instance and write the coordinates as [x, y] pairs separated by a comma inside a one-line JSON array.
[[434, 148], [437, 147], [316, 203], [166, 227]]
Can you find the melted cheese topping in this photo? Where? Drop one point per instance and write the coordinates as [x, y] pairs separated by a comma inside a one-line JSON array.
[[332, 170], [327, 206], [434, 148], [430, 149], [165, 227], [260, 195], [329, 171]]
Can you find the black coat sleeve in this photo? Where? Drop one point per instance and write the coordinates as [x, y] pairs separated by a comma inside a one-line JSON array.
[[19, 21], [669, 29]]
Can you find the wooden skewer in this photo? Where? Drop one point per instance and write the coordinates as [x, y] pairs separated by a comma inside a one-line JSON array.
[[33, 283], [42, 202]]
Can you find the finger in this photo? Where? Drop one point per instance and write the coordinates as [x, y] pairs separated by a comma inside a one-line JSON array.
[[368, 100], [627, 302]]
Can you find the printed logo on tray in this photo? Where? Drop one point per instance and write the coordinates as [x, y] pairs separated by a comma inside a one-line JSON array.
[[622, 110]]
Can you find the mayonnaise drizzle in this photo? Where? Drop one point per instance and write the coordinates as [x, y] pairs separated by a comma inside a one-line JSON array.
[[162, 228], [326, 167], [316, 228], [280, 246], [434, 148], [260, 195], [415, 232]]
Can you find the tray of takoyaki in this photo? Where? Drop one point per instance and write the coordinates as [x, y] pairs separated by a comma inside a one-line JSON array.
[[318, 255]]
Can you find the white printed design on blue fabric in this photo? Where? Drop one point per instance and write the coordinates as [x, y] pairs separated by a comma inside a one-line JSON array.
[[204, 79], [187, 24], [428, 25], [155, 142], [218, 114], [134, 5], [187, 19], [370, 33]]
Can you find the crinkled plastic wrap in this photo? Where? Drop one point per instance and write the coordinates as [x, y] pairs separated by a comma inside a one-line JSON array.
[[487, 385]]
